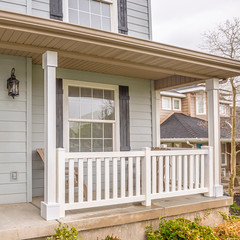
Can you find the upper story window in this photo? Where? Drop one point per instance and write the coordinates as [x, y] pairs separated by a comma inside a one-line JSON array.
[[177, 104], [223, 109], [91, 13], [166, 103], [200, 104]]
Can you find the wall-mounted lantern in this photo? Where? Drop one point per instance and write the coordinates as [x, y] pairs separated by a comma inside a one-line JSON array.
[[13, 85]]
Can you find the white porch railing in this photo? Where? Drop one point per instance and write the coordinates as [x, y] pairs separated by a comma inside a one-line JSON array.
[[86, 180]]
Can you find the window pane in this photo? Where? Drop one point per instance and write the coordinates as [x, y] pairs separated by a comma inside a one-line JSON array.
[[166, 103], [107, 130], [74, 145], [85, 145], [97, 130], [96, 21], [84, 19], [106, 24], [223, 157], [176, 104], [86, 109], [73, 4], [97, 145], [73, 16], [73, 91], [85, 130], [108, 145], [200, 103], [74, 130], [106, 9], [74, 107], [95, 7], [98, 109], [109, 94], [84, 5]]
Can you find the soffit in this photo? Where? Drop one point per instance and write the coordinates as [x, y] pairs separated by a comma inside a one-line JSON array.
[[93, 50]]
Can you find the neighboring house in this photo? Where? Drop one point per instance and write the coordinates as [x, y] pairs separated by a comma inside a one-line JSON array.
[[88, 103], [184, 123]]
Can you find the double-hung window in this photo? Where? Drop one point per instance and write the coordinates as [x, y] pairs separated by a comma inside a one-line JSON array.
[[200, 104], [177, 104], [91, 123], [224, 154], [223, 109], [166, 103], [91, 13]]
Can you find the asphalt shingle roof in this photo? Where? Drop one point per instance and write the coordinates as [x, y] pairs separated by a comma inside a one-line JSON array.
[[179, 125]]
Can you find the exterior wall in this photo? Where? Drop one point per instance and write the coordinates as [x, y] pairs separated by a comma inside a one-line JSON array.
[[39, 8], [140, 112], [138, 17], [14, 133], [37, 130]]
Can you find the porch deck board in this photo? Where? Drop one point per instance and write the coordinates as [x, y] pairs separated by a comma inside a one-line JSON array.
[[23, 221]]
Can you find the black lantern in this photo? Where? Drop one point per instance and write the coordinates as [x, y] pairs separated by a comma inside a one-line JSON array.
[[13, 85]]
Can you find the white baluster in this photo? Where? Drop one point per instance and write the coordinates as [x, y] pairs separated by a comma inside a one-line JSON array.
[[89, 163], [167, 174], [80, 180], [106, 178], [138, 177], [185, 172], [130, 176], [179, 169], [115, 178], [160, 174], [98, 179], [197, 171], [154, 178], [202, 171], [191, 170], [71, 181], [123, 178], [173, 161]]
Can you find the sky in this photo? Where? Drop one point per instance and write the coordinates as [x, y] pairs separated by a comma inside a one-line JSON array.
[[182, 22]]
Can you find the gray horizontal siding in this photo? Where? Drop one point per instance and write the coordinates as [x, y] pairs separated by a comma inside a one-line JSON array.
[[38, 8], [138, 18], [13, 131], [37, 131]]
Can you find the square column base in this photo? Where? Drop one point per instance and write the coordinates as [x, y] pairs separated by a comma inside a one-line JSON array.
[[50, 211], [218, 190]]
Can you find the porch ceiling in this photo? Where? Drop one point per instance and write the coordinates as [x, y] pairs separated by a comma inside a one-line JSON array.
[[93, 50]]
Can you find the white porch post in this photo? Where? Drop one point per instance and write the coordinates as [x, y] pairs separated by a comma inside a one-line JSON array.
[[212, 88], [50, 208], [158, 133]]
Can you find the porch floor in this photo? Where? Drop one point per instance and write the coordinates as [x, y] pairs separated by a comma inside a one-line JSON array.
[[23, 221]]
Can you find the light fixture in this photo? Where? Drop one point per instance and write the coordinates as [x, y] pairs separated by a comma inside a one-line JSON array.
[[13, 85]]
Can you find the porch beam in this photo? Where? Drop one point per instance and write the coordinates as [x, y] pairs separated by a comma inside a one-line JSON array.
[[176, 81], [50, 208], [212, 88]]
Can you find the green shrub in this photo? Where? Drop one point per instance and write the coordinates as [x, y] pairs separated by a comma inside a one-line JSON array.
[[111, 238], [180, 228], [63, 233]]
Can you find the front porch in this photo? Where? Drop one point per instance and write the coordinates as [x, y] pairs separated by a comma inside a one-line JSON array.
[[23, 221]]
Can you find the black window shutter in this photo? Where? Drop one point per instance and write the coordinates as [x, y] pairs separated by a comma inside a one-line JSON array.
[[122, 17], [59, 113], [56, 10], [124, 118]]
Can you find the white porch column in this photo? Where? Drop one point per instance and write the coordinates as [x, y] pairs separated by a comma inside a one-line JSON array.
[[158, 131], [212, 88], [50, 208]]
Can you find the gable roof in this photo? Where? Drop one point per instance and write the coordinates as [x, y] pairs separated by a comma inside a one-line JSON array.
[[179, 125]]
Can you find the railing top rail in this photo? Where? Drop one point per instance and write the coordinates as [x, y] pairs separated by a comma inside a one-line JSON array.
[[104, 154], [179, 152]]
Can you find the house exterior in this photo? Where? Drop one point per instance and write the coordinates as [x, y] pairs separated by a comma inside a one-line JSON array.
[[88, 97], [187, 107]]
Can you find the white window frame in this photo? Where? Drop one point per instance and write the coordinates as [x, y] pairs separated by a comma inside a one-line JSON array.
[[224, 153], [223, 172], [66, 119], [180, 102], [204, 104], [170, 108], [113, 13]]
